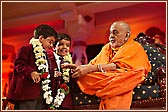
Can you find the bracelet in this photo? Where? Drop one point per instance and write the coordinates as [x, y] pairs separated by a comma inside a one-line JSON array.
[[100, 68]]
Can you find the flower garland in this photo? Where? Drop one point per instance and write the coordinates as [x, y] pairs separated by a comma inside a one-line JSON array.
[[67, 59], [64, 88], [41, 63], [39, 55]]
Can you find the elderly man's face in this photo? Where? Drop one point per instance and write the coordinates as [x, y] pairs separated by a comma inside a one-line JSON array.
[[118, 35]]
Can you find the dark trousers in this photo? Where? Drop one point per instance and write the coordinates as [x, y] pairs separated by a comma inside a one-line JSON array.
[[36, 104]]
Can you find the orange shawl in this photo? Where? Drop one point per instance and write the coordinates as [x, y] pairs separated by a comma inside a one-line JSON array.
[[115, 87]]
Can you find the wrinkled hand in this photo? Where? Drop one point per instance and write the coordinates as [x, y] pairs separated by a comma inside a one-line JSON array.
[[77, 71], [35, 76], [71, 66], [80, 71]]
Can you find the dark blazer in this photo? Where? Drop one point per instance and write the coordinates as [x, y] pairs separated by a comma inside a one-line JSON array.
[[22, 86], [55, 82]]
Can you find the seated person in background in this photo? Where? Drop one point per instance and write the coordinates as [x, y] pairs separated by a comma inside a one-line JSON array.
[[60, 79], [159, 44], [115, 71], [156, 57], [157, 38]]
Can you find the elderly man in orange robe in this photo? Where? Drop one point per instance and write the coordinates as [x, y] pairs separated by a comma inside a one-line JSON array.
[[115, 71]]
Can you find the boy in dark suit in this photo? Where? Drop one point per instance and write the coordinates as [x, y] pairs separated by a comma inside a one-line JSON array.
[[30, 66], [60, 78]]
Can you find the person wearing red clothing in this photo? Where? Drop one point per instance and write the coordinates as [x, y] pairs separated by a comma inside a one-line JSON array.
[[56, 57], [29, 67]]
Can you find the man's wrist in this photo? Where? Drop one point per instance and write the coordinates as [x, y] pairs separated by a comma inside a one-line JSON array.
[[114, 66], [117, 67], [99, 66]]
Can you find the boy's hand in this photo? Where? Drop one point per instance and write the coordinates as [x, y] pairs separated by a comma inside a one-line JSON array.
[[35, 76]]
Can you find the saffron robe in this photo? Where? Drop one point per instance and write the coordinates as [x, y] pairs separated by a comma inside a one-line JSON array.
[[115, 88]]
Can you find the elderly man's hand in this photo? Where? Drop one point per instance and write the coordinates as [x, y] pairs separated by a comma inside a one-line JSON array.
[[81, 70], [71, 66], [78, 71], [67, 65]]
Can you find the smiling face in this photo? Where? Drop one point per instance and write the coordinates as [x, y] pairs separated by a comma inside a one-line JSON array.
[[62, 47], [119, 34]]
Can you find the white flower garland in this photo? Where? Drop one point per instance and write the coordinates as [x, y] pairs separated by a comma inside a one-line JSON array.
[[41, 64], [39, 55]]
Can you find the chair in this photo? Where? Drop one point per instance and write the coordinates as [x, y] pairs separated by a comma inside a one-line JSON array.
[[153, 91]]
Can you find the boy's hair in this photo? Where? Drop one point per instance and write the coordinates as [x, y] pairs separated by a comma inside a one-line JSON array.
[[45, 31], [62, 36]]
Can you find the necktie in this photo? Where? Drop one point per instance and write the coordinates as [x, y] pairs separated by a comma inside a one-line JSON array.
[[61, 60]]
